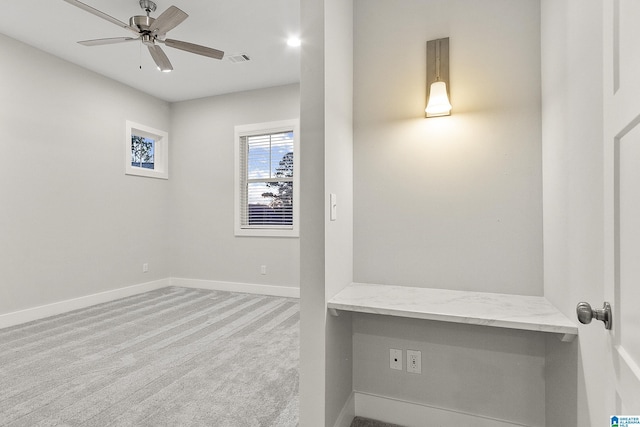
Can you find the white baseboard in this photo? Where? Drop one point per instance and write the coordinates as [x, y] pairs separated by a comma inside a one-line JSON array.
[[248, 288], [416, 415], [348, 412], [40, 312]]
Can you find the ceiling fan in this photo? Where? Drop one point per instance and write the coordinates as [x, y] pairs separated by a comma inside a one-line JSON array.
[[150, 31]]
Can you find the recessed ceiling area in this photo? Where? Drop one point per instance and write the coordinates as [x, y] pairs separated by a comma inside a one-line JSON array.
[[257, 29]]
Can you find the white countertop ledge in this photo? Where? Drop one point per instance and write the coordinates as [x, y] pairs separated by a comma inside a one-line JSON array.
[[476, 308]]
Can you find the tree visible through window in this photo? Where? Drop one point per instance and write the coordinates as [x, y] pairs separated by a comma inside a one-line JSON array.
[[266, 181], [142, 152], [269, 182]]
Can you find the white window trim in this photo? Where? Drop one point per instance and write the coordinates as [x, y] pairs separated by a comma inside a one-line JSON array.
[[258, 129], [160, 152]]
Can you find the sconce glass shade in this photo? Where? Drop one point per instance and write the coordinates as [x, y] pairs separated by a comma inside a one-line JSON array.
[[438, 104]]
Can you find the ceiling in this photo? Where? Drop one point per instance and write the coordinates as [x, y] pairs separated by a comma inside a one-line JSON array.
[[256, 28]]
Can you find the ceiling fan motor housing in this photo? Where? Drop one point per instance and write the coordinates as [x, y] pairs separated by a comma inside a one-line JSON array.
[[142, 23]]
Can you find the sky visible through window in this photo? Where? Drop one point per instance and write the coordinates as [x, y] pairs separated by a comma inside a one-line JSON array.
[[269, 157]]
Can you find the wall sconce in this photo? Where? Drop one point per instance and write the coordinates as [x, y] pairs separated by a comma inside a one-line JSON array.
[[438, 78]]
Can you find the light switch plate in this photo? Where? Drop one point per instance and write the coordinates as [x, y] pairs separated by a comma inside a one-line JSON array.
[[333, 207]]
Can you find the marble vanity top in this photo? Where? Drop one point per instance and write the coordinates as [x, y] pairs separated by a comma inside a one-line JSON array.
[[477, 308]]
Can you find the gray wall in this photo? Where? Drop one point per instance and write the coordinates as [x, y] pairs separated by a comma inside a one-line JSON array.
[[452, 202], [71, 222], [202, 190]]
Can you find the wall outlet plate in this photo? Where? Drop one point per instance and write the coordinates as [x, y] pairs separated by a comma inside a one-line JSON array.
[[395, 359], [414, 361]]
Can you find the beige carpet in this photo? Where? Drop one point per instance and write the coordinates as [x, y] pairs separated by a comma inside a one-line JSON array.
[[172, 357]]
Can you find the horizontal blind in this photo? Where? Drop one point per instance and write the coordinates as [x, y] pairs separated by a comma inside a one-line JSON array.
[[243, 180], [266, 168]]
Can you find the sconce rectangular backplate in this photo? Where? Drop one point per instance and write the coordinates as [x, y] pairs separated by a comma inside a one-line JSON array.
[[432, 65]]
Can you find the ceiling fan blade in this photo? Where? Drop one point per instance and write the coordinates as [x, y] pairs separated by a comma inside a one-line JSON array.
[[160, 58], [168, 20], [194, 48], [102, 15], [98, 42]]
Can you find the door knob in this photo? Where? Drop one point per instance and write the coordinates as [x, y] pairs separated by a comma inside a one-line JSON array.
[[586, 314]]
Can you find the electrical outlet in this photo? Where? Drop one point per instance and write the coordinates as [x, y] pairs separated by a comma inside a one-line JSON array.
[[145, 268], [263, 269], [414, 361], [395, 359]]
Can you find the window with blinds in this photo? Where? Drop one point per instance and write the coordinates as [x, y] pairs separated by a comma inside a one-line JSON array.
[[266, 179]]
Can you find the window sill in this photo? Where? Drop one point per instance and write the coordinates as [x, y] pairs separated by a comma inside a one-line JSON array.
[[265, 232], [149, 173]]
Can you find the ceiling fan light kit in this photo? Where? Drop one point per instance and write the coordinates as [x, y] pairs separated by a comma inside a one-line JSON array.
[[150, 31]]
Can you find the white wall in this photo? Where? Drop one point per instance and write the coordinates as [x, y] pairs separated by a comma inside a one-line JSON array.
[[326, 246], [312, 216], [485, 372], [572, 124], [338, 178], [202, 191], [452, 202], [72, 224]]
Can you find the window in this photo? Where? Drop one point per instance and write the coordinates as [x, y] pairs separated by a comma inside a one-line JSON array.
[[267, 179], [142, 152], [146, 151]]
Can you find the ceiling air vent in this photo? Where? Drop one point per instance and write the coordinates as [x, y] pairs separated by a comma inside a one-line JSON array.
[[241, 57]]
